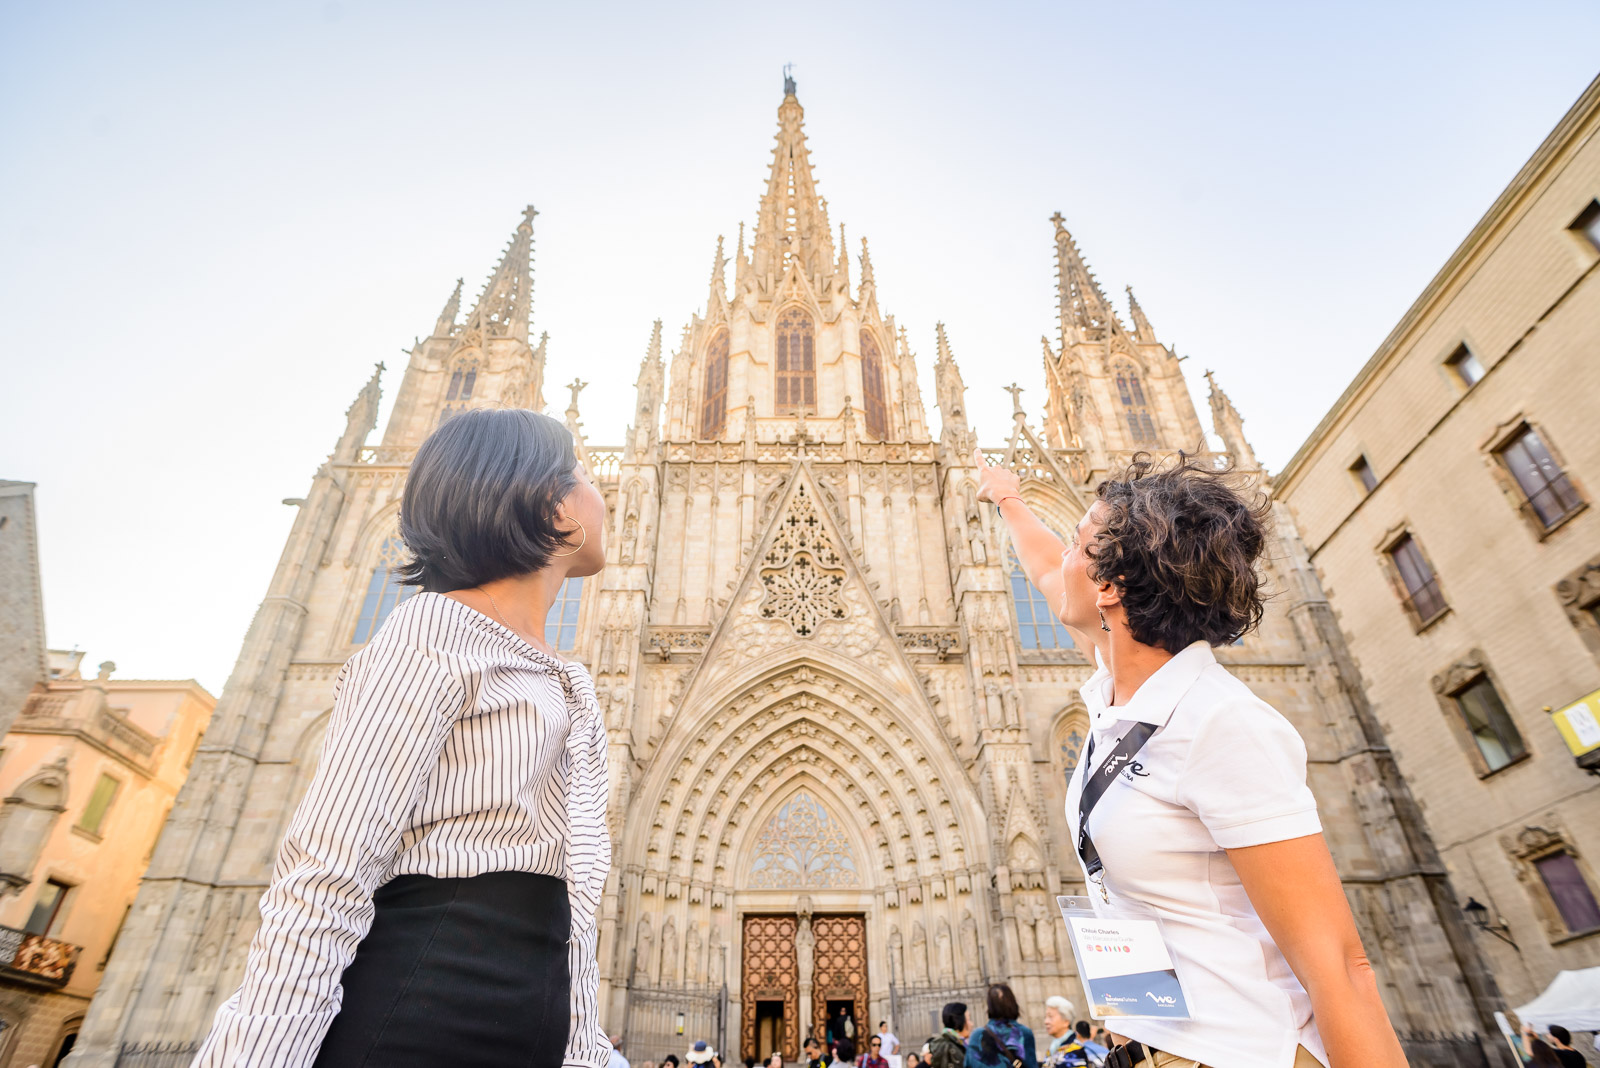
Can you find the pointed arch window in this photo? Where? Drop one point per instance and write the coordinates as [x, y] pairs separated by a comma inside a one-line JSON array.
[[714, 405], [1037, 625], [561, 622], [1135, 407], [462, 381], [1071, 734], [872, 386], [796, 362], [384, 591]]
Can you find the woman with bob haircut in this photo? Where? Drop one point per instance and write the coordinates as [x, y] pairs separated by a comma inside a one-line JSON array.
[[434, 897], [1210, 823]]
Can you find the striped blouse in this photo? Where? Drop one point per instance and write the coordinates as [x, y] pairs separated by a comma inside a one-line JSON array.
[[454, 748]]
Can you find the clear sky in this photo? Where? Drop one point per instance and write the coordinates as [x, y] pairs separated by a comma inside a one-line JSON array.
[[215, 218]]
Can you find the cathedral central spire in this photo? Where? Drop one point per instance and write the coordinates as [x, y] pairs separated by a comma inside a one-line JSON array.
[[1086, 314], [506, 304], [793, 220]]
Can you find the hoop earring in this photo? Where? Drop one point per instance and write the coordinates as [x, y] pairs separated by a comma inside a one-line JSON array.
[[585, 538], [1103, 624]]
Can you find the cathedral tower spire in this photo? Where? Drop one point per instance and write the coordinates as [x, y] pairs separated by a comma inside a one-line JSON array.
[[1229, 425], [506, 303], [452, 309], [1141, 322], [1086, 314], [792, 223], [951, 390], [359, 419]]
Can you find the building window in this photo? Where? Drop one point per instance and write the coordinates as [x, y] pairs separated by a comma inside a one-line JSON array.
[[462, 379], [1423, 598], [1362, 471], [1587, 224], [872, 387], [1547, 494], [714, 405], [796, 363], [94, 813], [1490, 725], [1071, 736], [561, 622], [1135, 408], [1037, 625], [1465, 366], [47, 908], [1569, 891], [384, 591]]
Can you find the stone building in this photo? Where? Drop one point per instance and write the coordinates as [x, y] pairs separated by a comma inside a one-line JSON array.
[[88, 773], [840, 719], [1446, 502], [22, 640]]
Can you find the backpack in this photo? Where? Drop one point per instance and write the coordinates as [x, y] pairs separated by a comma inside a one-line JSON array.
[[994, 1046]]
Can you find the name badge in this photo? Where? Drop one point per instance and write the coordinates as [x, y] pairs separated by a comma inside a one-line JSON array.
[[1124, 962]]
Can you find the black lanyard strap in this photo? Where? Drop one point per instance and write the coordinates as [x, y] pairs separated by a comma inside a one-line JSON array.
[[1098, 780]]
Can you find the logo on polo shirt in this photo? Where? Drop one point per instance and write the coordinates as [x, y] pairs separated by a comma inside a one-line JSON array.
[[1134, 768]]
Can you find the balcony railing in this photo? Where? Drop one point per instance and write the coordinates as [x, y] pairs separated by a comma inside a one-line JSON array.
[[48, 961], [1426, 603]]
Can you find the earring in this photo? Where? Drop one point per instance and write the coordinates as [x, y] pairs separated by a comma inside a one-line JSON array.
[[581, 540], [1103, 624]]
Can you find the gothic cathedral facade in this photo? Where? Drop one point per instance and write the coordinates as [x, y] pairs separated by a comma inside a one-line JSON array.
[[840, 718]]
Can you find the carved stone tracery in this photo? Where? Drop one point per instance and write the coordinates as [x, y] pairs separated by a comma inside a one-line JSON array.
[[802, 845], [803, 573]]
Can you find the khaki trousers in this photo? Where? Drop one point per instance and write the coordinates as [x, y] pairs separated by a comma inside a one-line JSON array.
[[1302, 1059]]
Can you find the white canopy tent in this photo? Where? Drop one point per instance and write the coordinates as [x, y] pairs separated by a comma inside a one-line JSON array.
[[1572, 1000]]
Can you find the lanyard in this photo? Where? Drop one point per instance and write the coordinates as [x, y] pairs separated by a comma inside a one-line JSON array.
[[1095, 784]]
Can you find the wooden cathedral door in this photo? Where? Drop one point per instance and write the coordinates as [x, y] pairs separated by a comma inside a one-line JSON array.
[[769, 991]]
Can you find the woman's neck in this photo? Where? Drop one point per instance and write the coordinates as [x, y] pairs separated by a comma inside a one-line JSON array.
[[519, 602], [1131, 663]]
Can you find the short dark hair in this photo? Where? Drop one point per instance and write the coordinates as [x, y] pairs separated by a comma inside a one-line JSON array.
[[1002, 1003], [672, 1059], [1082, 1027], [1561, 1034], [481, 498], [811, 1040], [883, 1023], [1180, 541], [954, 1015], [846, 1050]]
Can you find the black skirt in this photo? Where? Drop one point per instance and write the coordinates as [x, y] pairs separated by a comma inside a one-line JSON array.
[[469, 972]]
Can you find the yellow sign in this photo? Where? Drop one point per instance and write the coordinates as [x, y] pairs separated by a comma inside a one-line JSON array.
[[1579, 724]]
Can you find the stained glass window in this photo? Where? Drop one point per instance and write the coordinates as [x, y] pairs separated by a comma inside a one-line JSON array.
[[796, 363], [383, 590], [1070, 739], [1135, 406], [872, 386], [1037, 625], [714, 405], [462, 379], [561, 623]]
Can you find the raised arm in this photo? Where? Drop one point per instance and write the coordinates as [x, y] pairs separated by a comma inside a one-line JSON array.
[[384, 737], [1037, 548], [1297, 893]]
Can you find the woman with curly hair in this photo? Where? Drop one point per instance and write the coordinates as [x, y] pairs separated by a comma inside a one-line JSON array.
[[1209, 822]]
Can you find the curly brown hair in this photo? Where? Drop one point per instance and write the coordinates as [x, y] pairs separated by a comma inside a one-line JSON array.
[[1180, 541]]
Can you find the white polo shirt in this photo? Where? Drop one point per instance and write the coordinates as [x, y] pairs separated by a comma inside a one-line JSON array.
[[1224, 771]]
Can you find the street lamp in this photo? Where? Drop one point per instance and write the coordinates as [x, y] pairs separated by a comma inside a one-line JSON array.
[[1477, 914]]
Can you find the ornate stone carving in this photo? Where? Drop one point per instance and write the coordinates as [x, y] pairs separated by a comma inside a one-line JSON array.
[[803, 573], [802, 845]]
